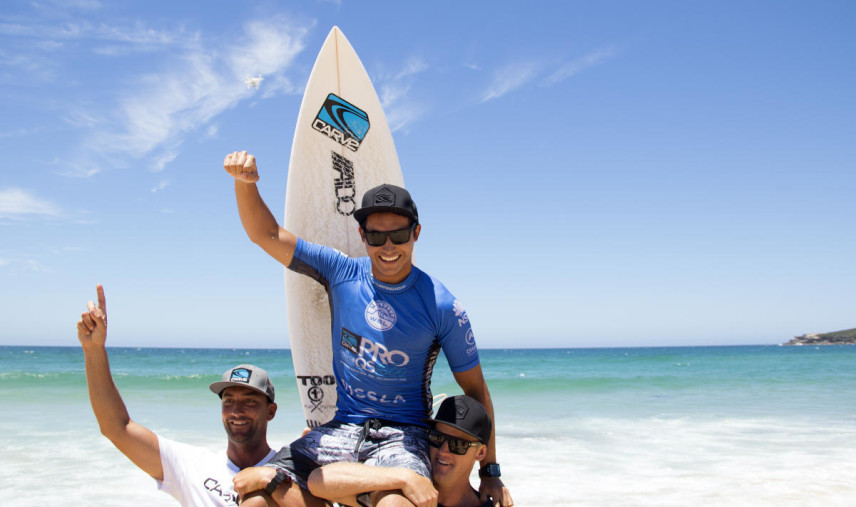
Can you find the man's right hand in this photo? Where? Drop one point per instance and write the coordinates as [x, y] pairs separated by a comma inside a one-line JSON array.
[[241, 166], [252, 479], [92, 326]]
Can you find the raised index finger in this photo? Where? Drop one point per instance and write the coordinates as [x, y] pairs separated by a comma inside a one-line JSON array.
[[102, 301]]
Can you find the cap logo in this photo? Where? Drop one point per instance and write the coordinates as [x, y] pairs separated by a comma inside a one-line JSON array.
[[384, 197], [240, 375], [461, 409]]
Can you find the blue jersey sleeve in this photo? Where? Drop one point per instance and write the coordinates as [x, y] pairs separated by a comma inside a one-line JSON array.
[[324, 264], [456, 334]]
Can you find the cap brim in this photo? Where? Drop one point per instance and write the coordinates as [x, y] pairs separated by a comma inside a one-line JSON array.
[[362, 213], [218, 387], [434, 423]]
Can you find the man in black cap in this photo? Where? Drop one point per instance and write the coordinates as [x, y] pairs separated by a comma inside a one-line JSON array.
[[390, 321], [458, 438], [193, 475]]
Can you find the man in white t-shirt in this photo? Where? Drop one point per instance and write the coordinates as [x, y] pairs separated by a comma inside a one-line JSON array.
[[193, 475]]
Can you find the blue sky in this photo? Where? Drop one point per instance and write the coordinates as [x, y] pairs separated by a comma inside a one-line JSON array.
[[587, 173]]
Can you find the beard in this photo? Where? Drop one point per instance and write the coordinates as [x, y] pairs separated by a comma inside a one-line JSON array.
[[240, 433]]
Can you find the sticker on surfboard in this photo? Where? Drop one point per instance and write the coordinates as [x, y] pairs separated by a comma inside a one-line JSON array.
[[342, 122], [343, 185]]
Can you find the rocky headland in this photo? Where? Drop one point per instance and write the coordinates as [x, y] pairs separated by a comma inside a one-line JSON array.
[[846, 337]]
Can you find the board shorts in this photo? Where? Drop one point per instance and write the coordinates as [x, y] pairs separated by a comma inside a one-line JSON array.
[[375, 442]]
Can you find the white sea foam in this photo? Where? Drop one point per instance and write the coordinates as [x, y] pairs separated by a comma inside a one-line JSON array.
[[586, 461], [684, 461]]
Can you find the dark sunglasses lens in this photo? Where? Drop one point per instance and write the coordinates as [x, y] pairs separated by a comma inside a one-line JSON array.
[[436, 439], [376, 238], [458, 446], [400, 236]]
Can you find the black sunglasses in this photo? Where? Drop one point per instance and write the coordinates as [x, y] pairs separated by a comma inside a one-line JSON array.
[[457, 445], [398, 237]]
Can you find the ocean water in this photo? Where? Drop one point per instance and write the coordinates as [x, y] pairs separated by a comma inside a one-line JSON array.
[[761, 425]]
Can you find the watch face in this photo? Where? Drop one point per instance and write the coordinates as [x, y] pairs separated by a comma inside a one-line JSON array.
[[490, 470]]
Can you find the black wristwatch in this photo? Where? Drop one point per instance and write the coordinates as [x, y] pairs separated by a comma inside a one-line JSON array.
[[489, 470], [278, 479]]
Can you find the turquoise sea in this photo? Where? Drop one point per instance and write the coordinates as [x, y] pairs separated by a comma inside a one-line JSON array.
[[752, 425]]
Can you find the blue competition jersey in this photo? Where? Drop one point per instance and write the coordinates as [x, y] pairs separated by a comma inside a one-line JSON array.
[[386, 337]]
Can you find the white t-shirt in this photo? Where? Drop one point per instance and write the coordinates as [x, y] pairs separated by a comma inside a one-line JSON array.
[[196, 476]]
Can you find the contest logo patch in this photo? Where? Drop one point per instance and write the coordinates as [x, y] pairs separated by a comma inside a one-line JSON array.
[[342, 122], [380, 315], [240, 375]]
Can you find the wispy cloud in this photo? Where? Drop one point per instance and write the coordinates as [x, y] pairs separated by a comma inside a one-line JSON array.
[[162, 184], [199, 84], [19, 132], [510, 78], [148, 115], [17, 265], [403, 115], [514, 76], [81, 118], [212, 131], [393, 91], [160, 162], [574, 67], [15, 202], [107, 39], [75, 170]]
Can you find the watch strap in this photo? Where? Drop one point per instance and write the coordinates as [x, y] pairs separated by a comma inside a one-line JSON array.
[[278, 479], [490, 470]]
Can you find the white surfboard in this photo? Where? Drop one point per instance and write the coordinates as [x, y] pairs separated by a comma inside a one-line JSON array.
[[342, 147]]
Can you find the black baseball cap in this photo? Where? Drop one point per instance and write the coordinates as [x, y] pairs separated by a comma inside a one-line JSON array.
[[245, 375], [387, 198], [466, 414]]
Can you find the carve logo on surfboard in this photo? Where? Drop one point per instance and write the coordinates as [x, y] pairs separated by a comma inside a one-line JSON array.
[[342, 122]]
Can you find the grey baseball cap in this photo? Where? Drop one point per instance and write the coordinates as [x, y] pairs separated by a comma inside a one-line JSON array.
[[245, 375]]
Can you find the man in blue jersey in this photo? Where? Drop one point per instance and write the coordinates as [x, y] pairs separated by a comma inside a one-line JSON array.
[[390, 321]]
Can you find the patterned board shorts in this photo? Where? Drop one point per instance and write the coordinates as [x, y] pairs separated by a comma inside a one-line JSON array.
[[376, 442]]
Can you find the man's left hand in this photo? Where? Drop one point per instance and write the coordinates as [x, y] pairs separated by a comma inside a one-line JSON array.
[[493, 488]]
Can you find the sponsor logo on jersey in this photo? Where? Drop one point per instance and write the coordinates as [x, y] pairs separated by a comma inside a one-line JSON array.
[[471, 342], [343, 185], [380, 315], [460, 313], [342, 122], [372, 357], [376, 358], [351, 341], [362, 394]]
